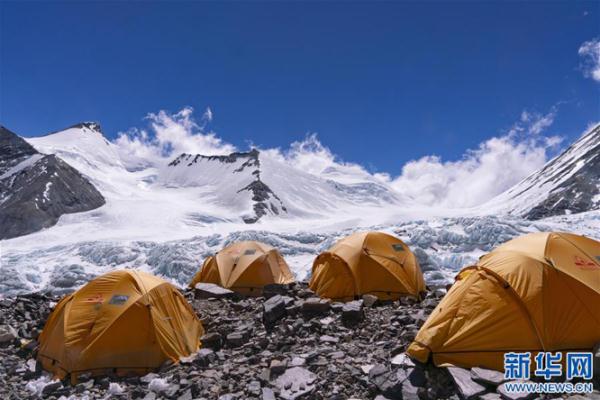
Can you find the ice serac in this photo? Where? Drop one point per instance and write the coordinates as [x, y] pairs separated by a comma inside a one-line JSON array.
[[257, 184], [568, 184], [36, 189]]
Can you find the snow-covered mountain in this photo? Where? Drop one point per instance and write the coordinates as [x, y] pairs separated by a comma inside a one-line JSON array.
[[165, 215], [254, 184], [36, 189], [567, 184]]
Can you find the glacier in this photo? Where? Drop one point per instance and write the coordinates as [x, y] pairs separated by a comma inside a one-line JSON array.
[[442, 245]]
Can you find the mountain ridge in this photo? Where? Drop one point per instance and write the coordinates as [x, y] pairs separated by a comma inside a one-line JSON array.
[[569, 183], [37, 189]]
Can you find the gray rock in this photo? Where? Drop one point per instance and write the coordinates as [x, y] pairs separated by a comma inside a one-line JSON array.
[[7, 334], [409, 391], [352, 313], [315, 306], [328, 339], [205, 356], [277, 367], [254, 388], [236, 339], [210, 290], [369, 300], [467, 388], [187, 395], [273, 309], [295, 382], [212, 340], [390, 383], [297, 362], [402, 360], [51, 388], [267, 394], [273, 289], [150, 396], [487, 376]]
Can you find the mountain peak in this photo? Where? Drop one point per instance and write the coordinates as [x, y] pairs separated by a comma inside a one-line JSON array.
[[569, 183], [91, 125]]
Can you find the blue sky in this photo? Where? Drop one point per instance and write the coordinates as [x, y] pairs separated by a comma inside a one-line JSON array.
[[381, 83]]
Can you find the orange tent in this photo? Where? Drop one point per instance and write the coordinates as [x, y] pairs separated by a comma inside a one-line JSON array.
[[367, 263], [124, 322], [539, 292], [245, 267]]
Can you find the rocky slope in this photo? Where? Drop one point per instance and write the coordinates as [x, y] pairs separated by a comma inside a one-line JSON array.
[[568, 184], [36, 189], [290, 346]]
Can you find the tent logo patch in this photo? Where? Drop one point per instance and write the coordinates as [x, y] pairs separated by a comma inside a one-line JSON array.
[[397, 247], [585, 264], [249, 252], [96, 298], [118, 299]]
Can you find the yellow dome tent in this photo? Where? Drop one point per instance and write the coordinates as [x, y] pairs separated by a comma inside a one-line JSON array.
[[367, 263], [539, 292], [245, 267], [124, 322]]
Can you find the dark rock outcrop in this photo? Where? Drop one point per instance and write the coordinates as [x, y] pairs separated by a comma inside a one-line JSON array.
[[36, 189]]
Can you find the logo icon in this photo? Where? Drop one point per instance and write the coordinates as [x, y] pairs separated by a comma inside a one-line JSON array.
[[585, 264]]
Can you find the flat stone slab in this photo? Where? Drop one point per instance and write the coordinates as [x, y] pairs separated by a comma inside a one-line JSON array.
[[466, 386], [295, 382], [208, 290], [487, 376], [402, 360]]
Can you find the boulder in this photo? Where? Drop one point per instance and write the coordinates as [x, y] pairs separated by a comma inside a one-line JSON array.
[[369, 300], [315, 306], [210, 290], [352, 312], [273, 309]]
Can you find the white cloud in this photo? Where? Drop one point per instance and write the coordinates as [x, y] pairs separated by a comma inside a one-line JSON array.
[[310, 155], [590, 52], [208, 115], [171, 134], [496, 165]]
